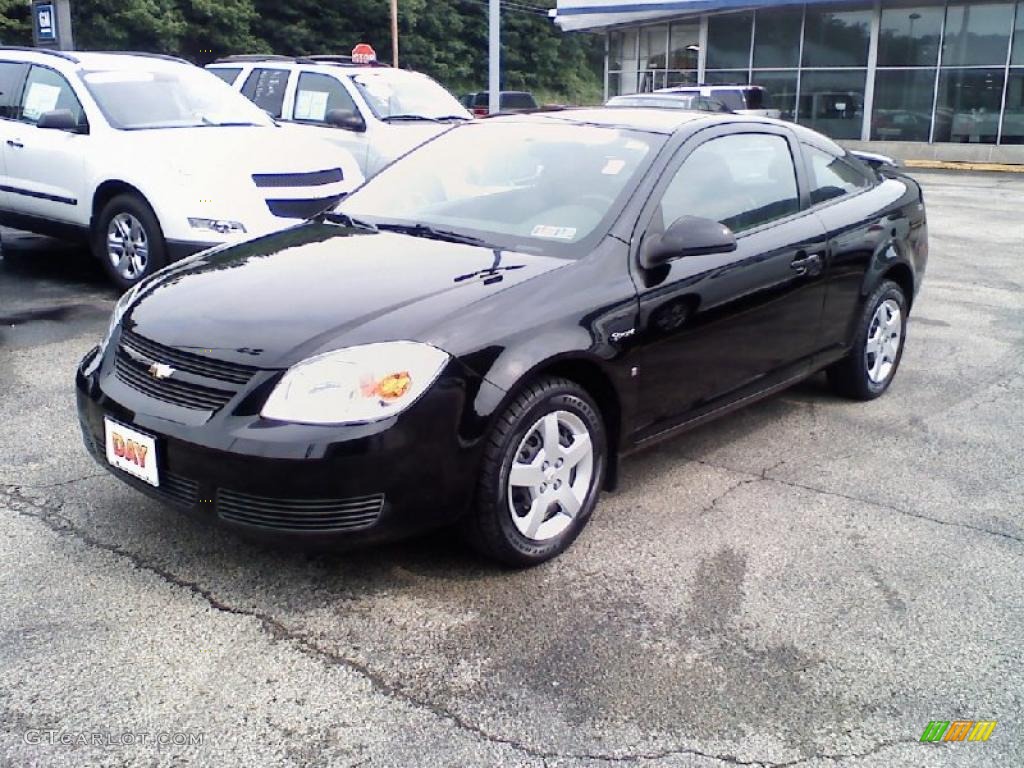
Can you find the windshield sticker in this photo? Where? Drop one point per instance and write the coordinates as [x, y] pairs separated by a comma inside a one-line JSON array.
[[555, 233], [39, 99], [613, 167], [311, 105]]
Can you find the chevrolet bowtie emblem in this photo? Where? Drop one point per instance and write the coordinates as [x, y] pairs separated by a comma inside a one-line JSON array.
[[160, 371]]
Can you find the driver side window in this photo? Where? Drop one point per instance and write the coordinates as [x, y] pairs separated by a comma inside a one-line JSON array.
[[742, 181], [46, 91]]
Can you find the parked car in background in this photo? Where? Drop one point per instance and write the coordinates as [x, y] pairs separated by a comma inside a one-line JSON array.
[[149, 159], [478, 333], [669, 101], [509, 101], [741, 99], [374, 112]]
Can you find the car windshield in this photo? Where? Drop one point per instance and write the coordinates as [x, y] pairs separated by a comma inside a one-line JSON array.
[[520, 185], [169, 96], [392, 93]]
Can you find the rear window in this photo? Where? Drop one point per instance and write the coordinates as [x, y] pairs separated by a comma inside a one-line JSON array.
[[227, 74], [757, 99], [517, 101], [732, 99]]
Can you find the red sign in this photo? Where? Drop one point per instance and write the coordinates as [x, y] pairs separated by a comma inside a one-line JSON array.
[[363, 54]]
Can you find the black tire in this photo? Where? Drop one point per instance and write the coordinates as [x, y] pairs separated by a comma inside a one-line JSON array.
[[489, 527], [850, 377], [139, 209]]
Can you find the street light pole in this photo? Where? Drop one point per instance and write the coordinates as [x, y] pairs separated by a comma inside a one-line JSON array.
[[394, 33], [494, 49]]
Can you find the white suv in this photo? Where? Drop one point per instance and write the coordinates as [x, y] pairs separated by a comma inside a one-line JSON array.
[[376, 112], [741, 99], [149, 159]]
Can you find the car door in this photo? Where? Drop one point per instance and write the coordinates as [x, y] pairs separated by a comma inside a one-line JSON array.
[[716, 328], [12, 77], [44, 166], [316, 94]]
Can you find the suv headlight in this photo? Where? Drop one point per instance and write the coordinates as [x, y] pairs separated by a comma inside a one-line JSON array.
[[357, 384]]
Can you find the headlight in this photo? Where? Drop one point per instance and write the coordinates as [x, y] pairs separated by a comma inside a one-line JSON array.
[[220, 226], [357, 384]]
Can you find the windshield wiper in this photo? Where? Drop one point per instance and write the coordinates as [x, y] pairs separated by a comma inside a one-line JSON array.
[[422, 230], [214, 124], [396, 118], [344, 220]]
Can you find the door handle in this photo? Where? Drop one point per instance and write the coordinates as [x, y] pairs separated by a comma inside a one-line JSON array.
[[806, 262], [15, 143]]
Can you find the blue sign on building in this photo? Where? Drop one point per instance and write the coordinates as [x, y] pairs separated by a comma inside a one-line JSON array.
[[46, 22]]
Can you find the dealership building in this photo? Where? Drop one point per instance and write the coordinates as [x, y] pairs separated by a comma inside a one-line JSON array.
[[924, 80]]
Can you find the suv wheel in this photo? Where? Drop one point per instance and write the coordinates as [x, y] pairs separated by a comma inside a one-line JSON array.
[[542, 472], [128, 240], [868, 370]]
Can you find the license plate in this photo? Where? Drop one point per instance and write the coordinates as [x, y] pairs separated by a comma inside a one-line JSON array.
[[132, 452]]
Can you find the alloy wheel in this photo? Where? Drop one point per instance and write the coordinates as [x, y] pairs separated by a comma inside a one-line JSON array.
[[883, 341], [551, 475], [127, 246]]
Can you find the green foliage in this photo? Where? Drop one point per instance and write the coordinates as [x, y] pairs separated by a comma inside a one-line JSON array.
[[447, 39]]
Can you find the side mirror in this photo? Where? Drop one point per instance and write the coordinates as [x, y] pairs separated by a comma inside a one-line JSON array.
[[59, 120], [346, 120], [687, 236]]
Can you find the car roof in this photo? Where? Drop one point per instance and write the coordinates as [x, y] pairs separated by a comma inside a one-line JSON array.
[[649, 119], [87, 59], [721, 87]]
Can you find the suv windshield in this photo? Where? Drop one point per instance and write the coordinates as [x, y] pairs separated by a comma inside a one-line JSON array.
[[525, 186], [393, 93], [169, 96]]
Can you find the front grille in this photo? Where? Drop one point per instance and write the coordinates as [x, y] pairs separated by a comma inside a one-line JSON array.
[[186, 394], [301, 209], [314, 179], [233, 373], [310, 515], [177, 490]]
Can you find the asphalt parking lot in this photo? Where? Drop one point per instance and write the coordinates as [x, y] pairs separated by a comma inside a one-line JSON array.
[[807, 582]]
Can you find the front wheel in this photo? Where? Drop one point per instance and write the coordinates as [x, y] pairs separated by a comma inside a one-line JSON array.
[[869, 369], [128, 240], [543, 469]]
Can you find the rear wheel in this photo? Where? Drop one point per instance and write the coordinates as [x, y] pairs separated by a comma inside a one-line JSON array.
[[869, 369], [543, 470], [127, 239]]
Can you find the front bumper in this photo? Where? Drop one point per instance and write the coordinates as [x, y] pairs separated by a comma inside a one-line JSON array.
[[307, 485]]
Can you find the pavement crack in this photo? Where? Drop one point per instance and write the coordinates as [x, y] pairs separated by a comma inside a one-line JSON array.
[[60, 483]]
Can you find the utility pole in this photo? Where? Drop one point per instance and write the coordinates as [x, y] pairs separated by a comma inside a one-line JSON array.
[[494, 46], [394, 33]]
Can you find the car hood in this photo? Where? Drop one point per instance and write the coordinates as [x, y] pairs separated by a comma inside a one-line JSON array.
[[274, 301], [243, 150]]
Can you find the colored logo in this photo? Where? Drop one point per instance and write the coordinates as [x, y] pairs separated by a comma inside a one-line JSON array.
[[160, 371], [958, 730]]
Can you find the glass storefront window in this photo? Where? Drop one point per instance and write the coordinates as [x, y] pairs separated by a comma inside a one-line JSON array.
[[654, 47], [833, 102], [1013, 120], [688, 77], [836, 38], [781, 87], [685, 45], [967, 110], [909, 35], [903, 105], [976, 33], [1017, 56], [777, 38], [727, 76], [729, 41]]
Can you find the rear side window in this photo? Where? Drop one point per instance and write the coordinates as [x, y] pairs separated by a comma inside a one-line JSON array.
[[12, 75], [265, 89], [46, 91], [517, 101], [732, 99], [317, 95], [752, 175], [227, 74], [755, 98], [832, 176]]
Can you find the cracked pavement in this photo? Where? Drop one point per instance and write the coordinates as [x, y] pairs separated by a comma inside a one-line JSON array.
[[806, 582]]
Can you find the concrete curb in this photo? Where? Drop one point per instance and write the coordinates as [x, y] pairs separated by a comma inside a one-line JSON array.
[[947, 165]]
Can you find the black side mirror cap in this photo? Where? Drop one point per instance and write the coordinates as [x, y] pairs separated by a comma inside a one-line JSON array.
[[687, 236], [60, 120], [346, 120]]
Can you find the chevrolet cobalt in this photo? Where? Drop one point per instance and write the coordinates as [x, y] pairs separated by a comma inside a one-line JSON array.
[[479, 333]]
